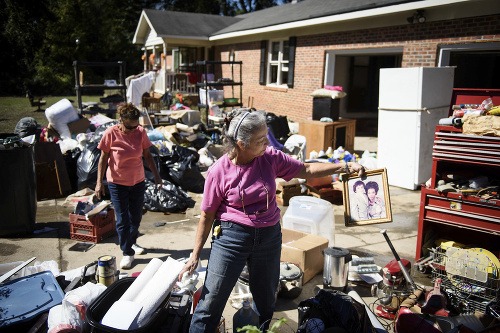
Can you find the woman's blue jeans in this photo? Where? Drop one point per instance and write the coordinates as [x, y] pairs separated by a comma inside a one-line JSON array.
[[234, 247], [127, 202]]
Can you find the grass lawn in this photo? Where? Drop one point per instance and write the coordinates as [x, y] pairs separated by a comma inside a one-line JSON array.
[[12, 109]]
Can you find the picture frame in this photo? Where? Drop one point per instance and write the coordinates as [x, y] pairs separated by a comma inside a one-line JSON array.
[[372, 203]]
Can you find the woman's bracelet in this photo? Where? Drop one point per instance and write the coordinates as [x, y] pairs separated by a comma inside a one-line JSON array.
[[346, 168]]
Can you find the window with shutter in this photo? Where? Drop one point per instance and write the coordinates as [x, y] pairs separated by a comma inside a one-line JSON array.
[[280, 63]]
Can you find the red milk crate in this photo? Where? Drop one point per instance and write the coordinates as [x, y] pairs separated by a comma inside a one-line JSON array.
[[97, 228]]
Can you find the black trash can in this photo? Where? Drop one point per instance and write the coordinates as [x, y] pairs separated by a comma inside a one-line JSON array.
[[17, 186]]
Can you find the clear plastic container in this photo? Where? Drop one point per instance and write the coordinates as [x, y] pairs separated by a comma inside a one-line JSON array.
[[311, 215]]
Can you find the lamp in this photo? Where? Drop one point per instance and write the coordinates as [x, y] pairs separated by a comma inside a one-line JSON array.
[[417, 17]]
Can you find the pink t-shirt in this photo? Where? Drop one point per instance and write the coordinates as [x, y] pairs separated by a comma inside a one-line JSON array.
[[228, 187], [125, 150]]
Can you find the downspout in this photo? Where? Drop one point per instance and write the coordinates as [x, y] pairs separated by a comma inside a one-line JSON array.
[[164, 68]]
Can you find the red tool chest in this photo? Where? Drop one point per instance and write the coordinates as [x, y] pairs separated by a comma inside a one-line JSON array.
[[457, 216]]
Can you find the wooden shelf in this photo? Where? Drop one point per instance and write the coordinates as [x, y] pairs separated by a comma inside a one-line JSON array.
[[321, 135]]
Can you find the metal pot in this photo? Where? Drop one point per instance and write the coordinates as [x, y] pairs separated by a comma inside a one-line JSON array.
[[290, 280], [336, 268]]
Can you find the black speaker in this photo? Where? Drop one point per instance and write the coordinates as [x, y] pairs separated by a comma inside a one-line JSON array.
[[326, 107]]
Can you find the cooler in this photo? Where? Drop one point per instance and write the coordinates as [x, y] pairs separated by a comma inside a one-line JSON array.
[[311, 215]]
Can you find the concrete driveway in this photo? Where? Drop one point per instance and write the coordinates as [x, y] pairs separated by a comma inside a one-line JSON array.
[[51, 241]]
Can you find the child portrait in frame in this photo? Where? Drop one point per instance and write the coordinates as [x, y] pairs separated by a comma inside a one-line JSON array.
[[366, 199]]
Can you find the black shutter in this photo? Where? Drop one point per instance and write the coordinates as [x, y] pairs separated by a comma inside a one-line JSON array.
[[292, 44], [263, 57]]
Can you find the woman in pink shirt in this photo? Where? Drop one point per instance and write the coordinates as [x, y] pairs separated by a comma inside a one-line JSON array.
[[239, 206], [122, 148]]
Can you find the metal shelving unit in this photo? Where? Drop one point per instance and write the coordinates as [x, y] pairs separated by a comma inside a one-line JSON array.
[[210, 67], [82, 88]]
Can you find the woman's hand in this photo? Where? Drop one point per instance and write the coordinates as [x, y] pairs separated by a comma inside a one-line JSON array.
[[189, 267], [99, 191], [158, 182], [354, 167]]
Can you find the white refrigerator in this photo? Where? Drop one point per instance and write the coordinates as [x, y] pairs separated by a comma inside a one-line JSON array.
[[411, 102]]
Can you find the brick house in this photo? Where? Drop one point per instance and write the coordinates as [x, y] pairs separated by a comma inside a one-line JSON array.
[[291, 50]]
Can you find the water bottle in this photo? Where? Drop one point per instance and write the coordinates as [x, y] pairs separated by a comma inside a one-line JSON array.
[[245, 316]]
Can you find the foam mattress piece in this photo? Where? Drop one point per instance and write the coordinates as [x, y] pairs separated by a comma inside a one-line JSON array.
[[60, 114], [122, 315], [42, 291], [157, 289], [140, 282]]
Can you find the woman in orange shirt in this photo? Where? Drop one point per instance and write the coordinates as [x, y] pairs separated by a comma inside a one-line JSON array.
[[123, 147]]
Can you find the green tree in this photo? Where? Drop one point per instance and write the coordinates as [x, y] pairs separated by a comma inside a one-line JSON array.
[[22, 26], [39, 37], [86, 30], [247, 6]]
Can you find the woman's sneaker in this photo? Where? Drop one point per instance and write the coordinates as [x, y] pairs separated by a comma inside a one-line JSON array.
[[138, 249], [126, 262]]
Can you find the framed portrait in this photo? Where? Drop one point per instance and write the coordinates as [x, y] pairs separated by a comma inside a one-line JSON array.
[[366, 199]]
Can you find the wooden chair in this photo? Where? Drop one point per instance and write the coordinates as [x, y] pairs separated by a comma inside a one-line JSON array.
[[36, 101]]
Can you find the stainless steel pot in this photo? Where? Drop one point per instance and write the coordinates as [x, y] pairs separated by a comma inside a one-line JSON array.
[[336, 268], [290, 280]]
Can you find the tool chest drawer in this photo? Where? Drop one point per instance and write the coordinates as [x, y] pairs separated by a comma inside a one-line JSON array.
[[465, 148], [466, 211]]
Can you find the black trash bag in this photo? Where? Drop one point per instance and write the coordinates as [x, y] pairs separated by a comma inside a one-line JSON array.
[[169, 199], [155, 152], [28, 126], [71, 161], [86, 166], [334, 309], [99, 131], [279, 126], [183, 169]]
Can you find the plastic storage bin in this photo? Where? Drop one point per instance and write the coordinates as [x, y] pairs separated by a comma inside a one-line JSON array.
[[98, 308], [311, 215], [214, 96], [23, 299]]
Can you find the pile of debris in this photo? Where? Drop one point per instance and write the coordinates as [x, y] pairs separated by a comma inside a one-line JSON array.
[[66, 155]]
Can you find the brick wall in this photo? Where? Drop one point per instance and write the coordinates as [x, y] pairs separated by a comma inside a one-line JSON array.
[[420, 43]]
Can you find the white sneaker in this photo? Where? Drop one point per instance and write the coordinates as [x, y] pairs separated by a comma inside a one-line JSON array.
[[126, 262], [138, 249]]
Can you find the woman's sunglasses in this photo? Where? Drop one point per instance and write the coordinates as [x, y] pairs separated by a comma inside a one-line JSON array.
[[130, 127]]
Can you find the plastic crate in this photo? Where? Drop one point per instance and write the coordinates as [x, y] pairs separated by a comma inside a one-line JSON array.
[[95, 229]]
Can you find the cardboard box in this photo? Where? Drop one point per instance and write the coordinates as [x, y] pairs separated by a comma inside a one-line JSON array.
[[286, 190], [305, 251], [79, 126]]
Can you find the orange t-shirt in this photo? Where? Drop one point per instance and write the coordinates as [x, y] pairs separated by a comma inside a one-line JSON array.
[[125, 166]]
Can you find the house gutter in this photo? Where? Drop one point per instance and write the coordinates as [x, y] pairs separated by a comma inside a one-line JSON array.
[[340, 18]]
